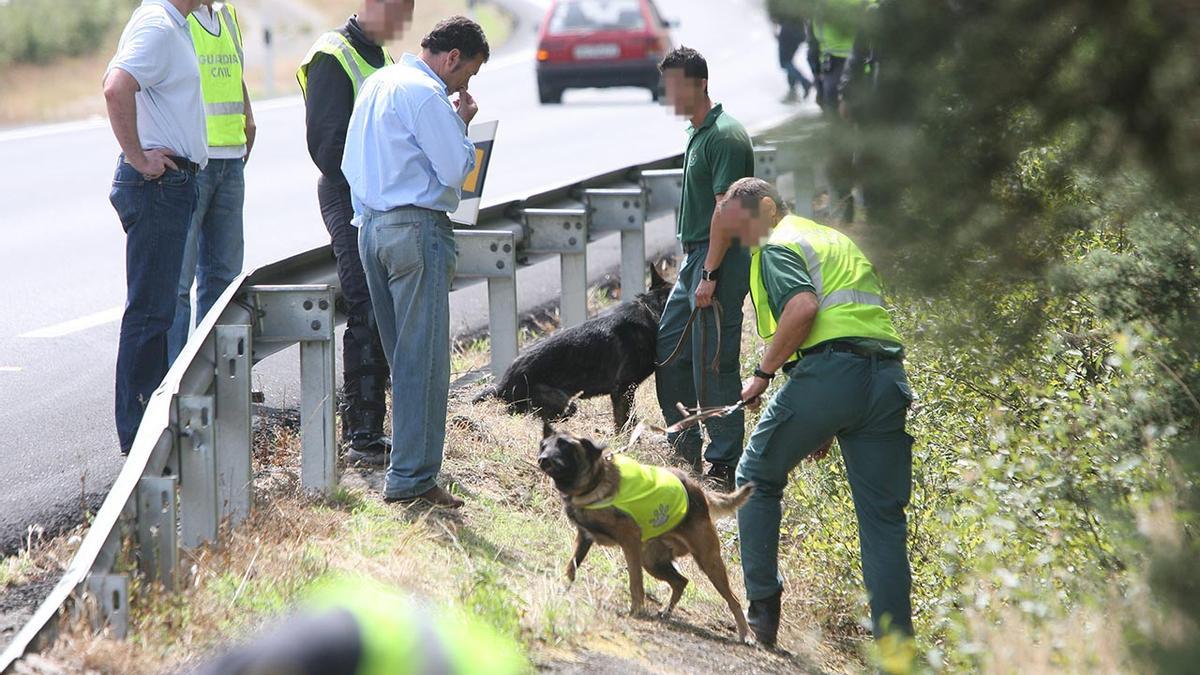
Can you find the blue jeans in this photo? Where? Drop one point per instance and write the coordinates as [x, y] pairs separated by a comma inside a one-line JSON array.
[[214, 250], [409, 257], [155, 216], [689, 379], [863, 402]]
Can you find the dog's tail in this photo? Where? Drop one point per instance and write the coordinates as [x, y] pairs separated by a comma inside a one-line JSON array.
[[722, 505]]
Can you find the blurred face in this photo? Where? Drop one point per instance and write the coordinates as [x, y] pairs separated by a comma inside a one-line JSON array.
[[456, 71], [386, 19], [750, 226], [684, 94]]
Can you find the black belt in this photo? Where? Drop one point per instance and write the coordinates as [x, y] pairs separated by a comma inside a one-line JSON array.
[[846, 348], [692, 246], [185, 164]]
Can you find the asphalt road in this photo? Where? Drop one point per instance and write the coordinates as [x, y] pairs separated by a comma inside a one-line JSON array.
[[61, 256]]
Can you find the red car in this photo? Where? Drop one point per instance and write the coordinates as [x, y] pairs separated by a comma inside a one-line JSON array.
[[601, 43]]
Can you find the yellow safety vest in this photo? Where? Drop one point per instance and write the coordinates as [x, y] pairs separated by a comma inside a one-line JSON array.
[[336, 45], [835, 25], [221, 66], [654, 497], [848, 290], [400, 637]]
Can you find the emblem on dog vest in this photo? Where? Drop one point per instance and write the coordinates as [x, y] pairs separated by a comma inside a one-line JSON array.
[[654, 497]]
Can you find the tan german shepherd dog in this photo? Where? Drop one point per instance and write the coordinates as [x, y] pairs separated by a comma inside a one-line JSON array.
[[584, 475]]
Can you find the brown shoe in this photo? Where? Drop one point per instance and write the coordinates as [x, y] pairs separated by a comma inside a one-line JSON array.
[[434, 496]]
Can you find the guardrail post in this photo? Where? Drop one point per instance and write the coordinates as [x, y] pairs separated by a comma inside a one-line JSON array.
[[304, 314], [565, 232], [766, 163], [156, 529], [318, 442], [111, 593], [197, 470], [664, 188], [492, 254], [233, 357], [623, 210]]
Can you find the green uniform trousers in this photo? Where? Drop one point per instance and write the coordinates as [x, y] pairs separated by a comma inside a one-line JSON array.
[[863, 401], [689, 379]]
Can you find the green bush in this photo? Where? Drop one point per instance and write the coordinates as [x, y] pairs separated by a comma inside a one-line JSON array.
[[38, 31]]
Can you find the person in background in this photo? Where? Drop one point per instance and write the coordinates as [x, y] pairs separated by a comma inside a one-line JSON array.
[[212, 256], [331, 77], [819, 301], [407, 157], [792, 32], [156, 110], [835, 25]]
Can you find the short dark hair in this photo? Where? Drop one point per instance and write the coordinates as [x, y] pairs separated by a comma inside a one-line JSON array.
[[458, 32], [693, 64], [750, 192]]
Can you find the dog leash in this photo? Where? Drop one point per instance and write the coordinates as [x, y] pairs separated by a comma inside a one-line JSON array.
[[715, 367], [692, 417]]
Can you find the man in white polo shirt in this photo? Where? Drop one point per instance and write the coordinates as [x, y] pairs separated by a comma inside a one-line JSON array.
[[156, 109]]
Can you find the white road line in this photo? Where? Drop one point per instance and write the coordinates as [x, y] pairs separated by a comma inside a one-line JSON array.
[[76, 325], [9, 369]]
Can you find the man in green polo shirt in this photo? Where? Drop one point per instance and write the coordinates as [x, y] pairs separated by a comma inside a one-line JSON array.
[[700, 366], [819, 299]]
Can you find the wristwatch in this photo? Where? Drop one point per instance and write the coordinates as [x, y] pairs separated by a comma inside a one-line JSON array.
[[709, 275], [759, 372]]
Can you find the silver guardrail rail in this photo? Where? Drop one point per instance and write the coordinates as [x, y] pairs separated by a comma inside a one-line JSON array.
[[189, 471]]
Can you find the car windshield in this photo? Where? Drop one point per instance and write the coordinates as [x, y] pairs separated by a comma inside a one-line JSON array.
[[586, 16]]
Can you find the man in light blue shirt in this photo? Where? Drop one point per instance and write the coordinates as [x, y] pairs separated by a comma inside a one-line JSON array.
[[406, 158]]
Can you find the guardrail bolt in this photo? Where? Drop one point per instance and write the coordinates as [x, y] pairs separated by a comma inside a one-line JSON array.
[[316, 325], [499, 264], [637, 204], [625, 204], [508, 248], [572, 241], [308, 305], [494, 247], [324, 305], [579, 225], [567, 225]]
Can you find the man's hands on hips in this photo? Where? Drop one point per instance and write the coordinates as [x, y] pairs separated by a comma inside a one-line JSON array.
[[152, 164], [466, 106], [752, 391], [704, 293]]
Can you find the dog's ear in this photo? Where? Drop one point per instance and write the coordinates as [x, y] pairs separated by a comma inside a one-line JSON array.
[[547, 430], [592, 450], [656, 277]]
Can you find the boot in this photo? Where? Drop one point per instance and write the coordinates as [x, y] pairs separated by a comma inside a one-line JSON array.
[[763, 617], [720, 477], [368, 444]]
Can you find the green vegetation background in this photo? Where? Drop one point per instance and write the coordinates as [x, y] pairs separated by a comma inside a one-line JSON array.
[[39, 31], [1045, 270]]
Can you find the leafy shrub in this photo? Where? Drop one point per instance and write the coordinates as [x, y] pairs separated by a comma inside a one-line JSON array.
[[37, 31]]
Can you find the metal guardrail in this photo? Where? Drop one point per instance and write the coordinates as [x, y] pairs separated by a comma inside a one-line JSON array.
[[189, 471]]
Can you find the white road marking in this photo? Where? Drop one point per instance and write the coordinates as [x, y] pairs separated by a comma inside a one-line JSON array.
[[9, 369], [76, 325]]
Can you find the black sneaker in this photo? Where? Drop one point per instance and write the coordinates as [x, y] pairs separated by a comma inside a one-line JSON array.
[[763, 617], [369, 450], [720, 477]]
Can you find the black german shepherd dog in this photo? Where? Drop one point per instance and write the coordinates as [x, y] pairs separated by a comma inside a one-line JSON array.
[[611, 354]]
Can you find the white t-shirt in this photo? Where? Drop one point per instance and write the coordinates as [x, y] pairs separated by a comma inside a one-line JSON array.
[[211, 22], [156, 49]]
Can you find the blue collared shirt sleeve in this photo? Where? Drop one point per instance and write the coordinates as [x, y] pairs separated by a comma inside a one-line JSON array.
[[442, 135]]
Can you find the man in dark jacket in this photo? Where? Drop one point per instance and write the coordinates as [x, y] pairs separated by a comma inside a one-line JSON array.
[[330, 77]]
